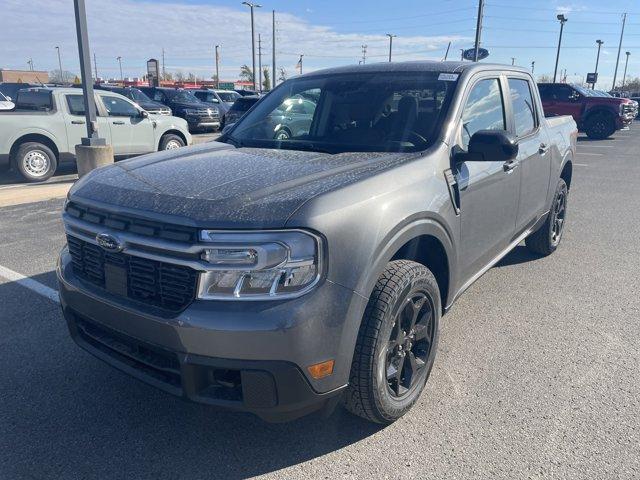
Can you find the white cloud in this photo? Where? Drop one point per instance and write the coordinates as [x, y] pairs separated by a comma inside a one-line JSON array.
[[138, 30]]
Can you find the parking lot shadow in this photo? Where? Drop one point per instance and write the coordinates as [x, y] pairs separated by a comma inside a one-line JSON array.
[[67, 415]]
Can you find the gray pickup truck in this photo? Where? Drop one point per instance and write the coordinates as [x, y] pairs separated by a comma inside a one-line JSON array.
[[47, 124], [280, 275]]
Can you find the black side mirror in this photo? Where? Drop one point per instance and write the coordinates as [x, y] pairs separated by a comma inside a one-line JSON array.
[[489, 146]]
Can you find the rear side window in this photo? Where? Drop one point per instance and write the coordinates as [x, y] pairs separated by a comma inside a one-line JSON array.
[[522, 102], [75, 104], [484, 110]]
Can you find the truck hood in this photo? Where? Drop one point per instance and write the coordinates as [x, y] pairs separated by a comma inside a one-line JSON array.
[[216, 185]]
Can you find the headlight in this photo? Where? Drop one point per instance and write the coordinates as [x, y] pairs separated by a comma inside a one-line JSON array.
[[259, 265]]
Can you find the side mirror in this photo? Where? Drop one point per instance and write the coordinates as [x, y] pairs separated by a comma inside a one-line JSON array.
[[143, 114], [574, 96], [489, 146]]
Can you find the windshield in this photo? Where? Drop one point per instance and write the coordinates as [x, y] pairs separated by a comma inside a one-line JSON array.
[[181, 96], [139, 96], [228, 96], [585, 91], [384, 111]]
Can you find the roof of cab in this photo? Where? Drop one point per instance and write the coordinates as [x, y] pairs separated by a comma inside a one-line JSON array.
[[418, 66]]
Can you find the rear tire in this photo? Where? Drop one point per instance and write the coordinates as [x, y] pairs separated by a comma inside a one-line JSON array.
[[171, 141], [546, 239], [396, 343], [600, 126], [35, 162]]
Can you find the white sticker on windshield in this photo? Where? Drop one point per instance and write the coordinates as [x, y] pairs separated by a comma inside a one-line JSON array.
[[448, 77]]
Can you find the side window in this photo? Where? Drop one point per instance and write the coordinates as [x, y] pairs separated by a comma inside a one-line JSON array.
[[522, 102], [545, 92], [158, 96], [119, 107], [484, 110], [563, 93], [75, 104]]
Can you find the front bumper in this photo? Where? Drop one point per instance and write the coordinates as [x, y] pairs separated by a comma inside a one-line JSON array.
[[248, 356]]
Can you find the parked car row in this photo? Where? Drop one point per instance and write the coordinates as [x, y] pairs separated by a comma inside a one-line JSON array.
[[46, 125]]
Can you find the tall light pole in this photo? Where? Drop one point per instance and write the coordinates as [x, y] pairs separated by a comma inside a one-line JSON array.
[[513, 60], [533, 67], [30, 63], [391, 36], [120, 63], [478, 30], [253, 40], [273, 49], [562, 20], [615, 73], [217, 66], [259, 63], [60, 64], [626, 63], [599, 42]]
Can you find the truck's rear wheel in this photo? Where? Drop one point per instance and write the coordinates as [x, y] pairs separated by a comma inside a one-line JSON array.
[[396, 344], [600, 126], [171, 142], [546, 239], [35, 162]]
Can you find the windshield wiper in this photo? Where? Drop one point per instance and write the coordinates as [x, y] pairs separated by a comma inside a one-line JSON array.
[[306, 146]]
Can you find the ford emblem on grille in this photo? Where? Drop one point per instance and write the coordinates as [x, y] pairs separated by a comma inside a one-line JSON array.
[[109, 242]]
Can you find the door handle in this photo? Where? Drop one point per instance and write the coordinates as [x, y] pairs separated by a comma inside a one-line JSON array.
[[77, 122], [543, 149], [510, 166], [118, 122]]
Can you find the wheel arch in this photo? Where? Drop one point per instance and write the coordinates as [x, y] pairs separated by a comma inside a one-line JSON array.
[[172, 131], [34, 137], [425, 241], [591, 112]]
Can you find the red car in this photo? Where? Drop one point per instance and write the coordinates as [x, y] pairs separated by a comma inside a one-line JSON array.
[[598, 116]]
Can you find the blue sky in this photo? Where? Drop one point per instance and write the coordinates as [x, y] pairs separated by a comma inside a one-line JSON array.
[[327, 32]]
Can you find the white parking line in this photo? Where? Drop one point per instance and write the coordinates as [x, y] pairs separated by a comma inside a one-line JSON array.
[[596, 146], [29, 283], [580, 165], [592, 154]]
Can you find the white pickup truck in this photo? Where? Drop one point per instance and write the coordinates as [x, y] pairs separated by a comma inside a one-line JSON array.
[[47, 124]]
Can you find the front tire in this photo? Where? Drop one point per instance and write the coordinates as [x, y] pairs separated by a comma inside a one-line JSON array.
[[546, 239], [396, 343], [171, 141], [600, 126], [35, 162]]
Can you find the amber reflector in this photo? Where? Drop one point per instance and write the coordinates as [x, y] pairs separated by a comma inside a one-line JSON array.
[[321, 370]]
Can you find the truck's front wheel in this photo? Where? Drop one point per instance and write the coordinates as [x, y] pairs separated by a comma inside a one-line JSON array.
[[600, 126], [396, 344], [35, 162]]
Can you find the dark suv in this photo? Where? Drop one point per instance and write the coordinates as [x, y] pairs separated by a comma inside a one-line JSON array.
[[596, 115], [238, 109], [184, 104]]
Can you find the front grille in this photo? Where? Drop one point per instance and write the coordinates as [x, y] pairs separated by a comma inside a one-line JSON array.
[[205, 115], [164, 285], [130, 224]]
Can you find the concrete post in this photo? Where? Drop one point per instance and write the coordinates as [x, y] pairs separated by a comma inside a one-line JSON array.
[[89, 158]]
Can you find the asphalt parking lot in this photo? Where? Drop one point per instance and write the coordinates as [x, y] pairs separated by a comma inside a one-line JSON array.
[[537, 376]]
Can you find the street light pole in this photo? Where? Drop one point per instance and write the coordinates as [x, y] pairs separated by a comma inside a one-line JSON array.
[[626, 63], [533, 67], [513, 60], [478, 30], [60, 64], [563, 20], [599, 42], [92, 138], [253, 40], [390, 35], [615, 73], [120, 63], [259, 63], [217, 67]]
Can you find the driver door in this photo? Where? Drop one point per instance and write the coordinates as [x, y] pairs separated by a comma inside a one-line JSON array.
[[488, 190], [131, 133]]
